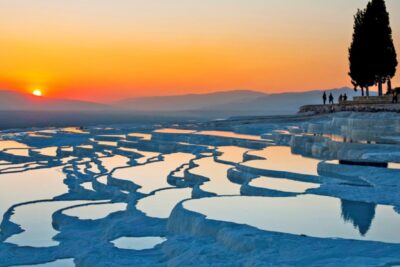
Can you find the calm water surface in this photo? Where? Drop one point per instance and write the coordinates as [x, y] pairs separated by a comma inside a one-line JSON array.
[[310, 215]]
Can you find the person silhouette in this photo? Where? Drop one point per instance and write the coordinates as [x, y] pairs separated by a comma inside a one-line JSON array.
[[345, 97], [340, 98], [331, 99], [324, 98], [395, 97]]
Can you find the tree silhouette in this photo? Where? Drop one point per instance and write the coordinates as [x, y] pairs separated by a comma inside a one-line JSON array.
[[361, 71], [372, 54], [359, 214], [383, 58]]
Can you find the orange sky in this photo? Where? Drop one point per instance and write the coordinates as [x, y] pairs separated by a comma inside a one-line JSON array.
[[107, 50]]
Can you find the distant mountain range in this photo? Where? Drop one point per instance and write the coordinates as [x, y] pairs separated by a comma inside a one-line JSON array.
[[230, 103], [235, 102], [188, 102]]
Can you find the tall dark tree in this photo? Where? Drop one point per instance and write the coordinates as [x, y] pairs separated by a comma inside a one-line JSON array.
[[361, 71], [383, 58], [372, 54]]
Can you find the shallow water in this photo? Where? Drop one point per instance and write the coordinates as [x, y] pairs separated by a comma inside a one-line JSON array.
[[95, 211], [217, 174], [94, 168], [88, 186], [36, 221], [232, 154], [309, 215], [81, 168], [17, 168], [7, 144], [18, 152], [153, 176], [89, 147], [74, 130], [280, 158], [110, 163], [394, 166], [284, 185], [231, 135], [39, 135], [138, 243], [107, 143], [162, 202], [181, 172], [117, 136], [142, 136], [48, 151], [175, 131], [57, 263], [146, 155], [30, 185], [102, 179]]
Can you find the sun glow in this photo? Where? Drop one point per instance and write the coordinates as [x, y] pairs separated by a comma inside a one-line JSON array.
[[37, 92]]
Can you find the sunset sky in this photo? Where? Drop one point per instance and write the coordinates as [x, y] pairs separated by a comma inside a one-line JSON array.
[[106, 50]]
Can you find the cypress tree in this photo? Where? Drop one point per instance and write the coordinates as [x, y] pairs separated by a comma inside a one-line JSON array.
[[372, 54], [383, 57], [361, 71]]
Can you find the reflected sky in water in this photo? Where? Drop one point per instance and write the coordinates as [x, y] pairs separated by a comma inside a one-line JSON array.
[[18, 152], [232, 153], [280, 158], [218, 182], [113, 162], [58, 263], [310, 215], [6, 144], [30, 185], [138, 243], [231, 135], [48, 151], [95, 212], [175, 131], [284, 185], [162, 202], [143, 136], [153, 176], [36, 221]]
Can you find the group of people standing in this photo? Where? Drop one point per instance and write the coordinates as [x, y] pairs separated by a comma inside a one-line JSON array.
[[342, 98]]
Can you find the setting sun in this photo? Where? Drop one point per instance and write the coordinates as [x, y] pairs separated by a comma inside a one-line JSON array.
[[37, 92]]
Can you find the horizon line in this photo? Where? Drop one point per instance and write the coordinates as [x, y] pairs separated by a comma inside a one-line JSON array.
[[177, 95]]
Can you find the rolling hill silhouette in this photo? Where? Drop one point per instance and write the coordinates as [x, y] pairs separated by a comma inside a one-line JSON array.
[[229, 103], [11, 100], [234, 102]]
